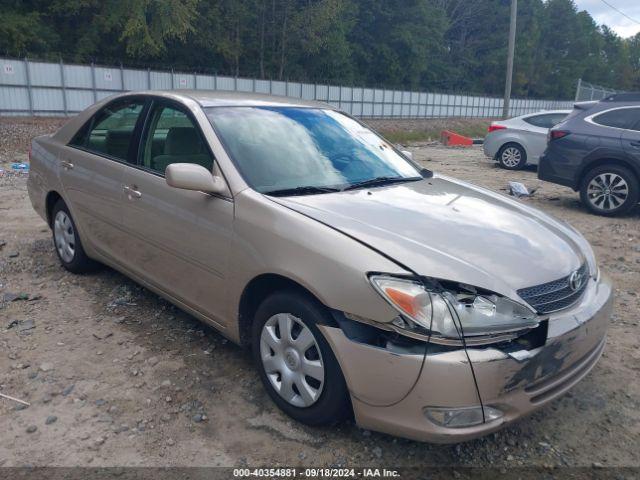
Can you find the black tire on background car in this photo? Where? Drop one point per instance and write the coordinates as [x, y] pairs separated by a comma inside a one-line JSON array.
[[512, 156], [295, 362], [610, 190], [67, 241]]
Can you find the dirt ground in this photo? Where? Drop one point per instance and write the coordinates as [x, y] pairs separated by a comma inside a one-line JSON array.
[[116, 376]]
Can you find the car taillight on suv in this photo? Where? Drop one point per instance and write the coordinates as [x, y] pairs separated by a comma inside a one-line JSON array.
[[556, 134]]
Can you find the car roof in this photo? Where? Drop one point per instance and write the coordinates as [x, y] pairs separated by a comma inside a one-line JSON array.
[[544, 112], [217, 98], [528, 115], [627, 97], [205, 98]]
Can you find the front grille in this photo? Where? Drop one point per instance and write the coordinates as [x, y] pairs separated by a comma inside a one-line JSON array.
[[557, 295]]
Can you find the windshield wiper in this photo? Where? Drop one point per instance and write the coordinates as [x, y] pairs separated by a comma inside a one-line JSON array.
[[304, 190], [379, 181]]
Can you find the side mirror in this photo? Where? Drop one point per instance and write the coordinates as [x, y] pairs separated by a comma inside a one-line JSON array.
[[407, 154], [190, 176]]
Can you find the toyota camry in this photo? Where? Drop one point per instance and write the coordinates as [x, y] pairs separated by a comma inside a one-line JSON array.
[[366, 286]]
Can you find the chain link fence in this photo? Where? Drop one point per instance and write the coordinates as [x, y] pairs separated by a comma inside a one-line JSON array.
[[52, 89], [587, 91]]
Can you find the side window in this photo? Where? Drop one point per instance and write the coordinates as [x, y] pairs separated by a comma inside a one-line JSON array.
[[111, 130], [619, 118], [80, 138], [557, 118], [545, 121], [173, 138], [535, 121]]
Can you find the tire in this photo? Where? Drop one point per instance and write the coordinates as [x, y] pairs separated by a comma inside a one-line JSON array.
[[318, 401], [512, 156], [610, 190], [66, 241]]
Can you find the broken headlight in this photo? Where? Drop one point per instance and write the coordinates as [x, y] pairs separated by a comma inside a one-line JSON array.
[[454, 312]]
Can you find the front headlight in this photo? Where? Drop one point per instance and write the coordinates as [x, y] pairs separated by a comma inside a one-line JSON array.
[[452, 312]]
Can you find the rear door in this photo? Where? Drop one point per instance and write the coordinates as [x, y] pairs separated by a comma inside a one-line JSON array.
[[631, 137], [92, 168], [179, 240], [537, 128], [617, 133]]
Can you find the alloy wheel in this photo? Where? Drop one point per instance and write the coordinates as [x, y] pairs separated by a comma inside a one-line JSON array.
[[511, 157], [292, 360], [607, 191], [65, 238]]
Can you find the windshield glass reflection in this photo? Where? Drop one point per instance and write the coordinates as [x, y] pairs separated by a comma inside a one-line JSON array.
[[312, 150]]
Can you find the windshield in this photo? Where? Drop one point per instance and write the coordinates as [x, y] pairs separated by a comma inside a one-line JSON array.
[[306, 150]]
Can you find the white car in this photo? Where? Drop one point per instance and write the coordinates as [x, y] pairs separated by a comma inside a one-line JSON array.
[[519, 141]]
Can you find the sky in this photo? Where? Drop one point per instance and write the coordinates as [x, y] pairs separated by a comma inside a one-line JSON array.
[[602, 13]]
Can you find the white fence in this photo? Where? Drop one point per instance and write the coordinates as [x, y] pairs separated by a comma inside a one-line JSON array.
[[53, 89]]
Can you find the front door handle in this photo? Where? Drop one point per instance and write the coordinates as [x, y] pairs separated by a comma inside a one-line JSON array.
[[66, 165], [132, 192], [635, 144]]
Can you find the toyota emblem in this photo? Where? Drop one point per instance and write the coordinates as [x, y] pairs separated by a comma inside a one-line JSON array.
[[575, 280]]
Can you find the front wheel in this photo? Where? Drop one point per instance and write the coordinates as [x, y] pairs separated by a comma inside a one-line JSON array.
[[512, 157], [610, 190], [296, 363]]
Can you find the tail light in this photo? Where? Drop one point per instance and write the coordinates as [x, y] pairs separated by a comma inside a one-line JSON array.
[[29, 153], [556, 134], [493, 128]]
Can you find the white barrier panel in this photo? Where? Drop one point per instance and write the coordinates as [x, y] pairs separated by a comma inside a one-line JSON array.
[[48, 88]]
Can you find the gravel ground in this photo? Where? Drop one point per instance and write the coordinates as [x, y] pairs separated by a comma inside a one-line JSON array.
[[428, 125], [116, 376]]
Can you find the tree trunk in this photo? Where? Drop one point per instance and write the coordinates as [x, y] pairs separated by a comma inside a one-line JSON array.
[[262, 22], [283, 40], [237, 49], [274, 36]]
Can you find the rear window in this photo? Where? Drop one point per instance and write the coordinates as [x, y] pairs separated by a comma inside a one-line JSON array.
[[619, 118]]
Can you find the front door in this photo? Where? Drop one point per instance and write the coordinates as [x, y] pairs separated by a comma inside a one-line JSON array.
[[179, 239]]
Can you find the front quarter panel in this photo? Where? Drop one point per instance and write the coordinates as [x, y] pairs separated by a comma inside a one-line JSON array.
[[273, 239]]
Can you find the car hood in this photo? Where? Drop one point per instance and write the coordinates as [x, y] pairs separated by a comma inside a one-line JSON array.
[[447, 229]]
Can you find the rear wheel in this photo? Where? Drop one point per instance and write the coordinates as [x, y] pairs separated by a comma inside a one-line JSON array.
[[610, 190], [295, 362], [67, 241], [512, 156]]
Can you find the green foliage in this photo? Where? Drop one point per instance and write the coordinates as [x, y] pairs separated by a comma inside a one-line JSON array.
[[17, 32], [147, 24], [447, 45]]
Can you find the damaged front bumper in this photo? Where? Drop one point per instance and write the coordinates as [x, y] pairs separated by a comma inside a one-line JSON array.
[[391, 390]]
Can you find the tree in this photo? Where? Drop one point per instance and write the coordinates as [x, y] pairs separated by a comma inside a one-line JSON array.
[[451, 45], [393, 40]]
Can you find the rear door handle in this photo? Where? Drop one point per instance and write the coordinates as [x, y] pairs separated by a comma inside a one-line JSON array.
[[132, 192], [635, 144], [66, 165]]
